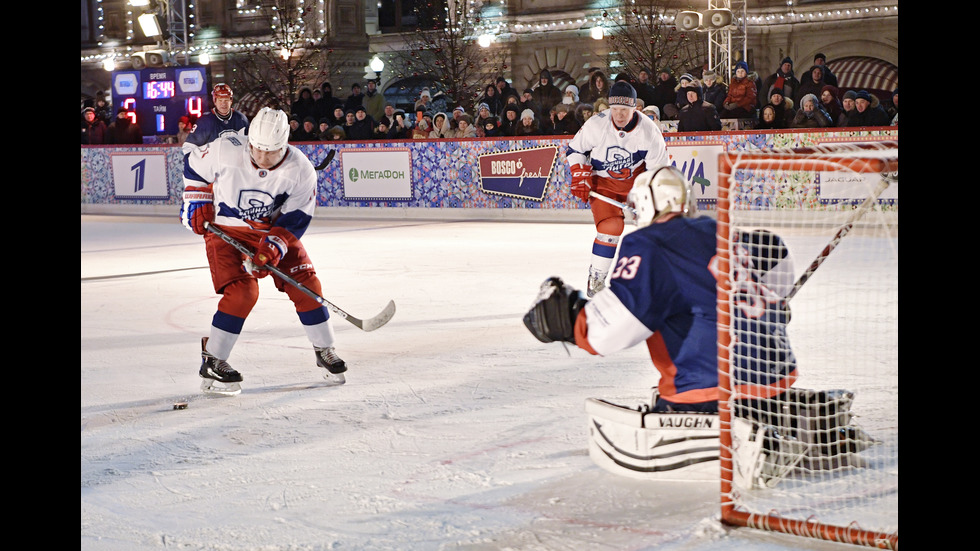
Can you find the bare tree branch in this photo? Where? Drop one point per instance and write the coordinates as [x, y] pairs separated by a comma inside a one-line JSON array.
[[644, 35], [445, 48]]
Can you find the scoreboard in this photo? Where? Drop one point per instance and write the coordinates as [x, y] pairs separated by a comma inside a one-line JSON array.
[[159, 96]]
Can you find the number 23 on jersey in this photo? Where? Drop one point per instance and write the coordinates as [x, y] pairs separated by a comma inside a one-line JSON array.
[[626, 267]]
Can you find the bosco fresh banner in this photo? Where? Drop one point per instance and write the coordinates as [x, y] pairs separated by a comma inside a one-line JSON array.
[[523, 173]]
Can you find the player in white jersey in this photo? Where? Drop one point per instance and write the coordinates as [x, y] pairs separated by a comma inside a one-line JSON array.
[[261, 191], [605, 156]]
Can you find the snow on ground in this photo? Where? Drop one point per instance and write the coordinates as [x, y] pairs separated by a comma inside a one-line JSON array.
[[456, 430]]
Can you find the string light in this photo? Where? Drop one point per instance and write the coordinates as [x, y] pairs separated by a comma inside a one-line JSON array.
[[489, 22]]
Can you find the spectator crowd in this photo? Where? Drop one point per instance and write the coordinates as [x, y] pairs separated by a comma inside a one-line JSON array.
[[698, 101]]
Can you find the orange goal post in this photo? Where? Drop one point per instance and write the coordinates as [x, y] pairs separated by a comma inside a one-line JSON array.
[[821, 460]]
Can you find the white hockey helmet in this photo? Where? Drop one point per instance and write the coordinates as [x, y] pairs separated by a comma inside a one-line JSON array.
[[269, 130], [658, 192]]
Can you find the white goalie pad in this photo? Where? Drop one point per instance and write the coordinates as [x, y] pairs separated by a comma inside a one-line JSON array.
[[637, 443]]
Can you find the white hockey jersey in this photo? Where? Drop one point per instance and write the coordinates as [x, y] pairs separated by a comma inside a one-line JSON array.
[[248, 196], [618, 154]]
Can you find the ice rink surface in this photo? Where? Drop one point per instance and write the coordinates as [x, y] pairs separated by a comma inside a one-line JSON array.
[[456, 428]]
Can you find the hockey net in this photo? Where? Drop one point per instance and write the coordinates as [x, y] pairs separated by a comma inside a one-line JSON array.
[[820, 460]]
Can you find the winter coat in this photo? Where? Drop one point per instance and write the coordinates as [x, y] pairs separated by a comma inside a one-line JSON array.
[[874, 115], [374, 104], [508, 127], [818, 118], [810, 86], [680, 93], [787, 81], [491, 96], [664, 92], [123, 131], [834, 108], [590, 92], [784, 112], [698, 116], [546, 95], [440, 127], [303, 106], [566, 126], [527, 130], [361, 129], [715, 94], [742, 92], [95, 133]]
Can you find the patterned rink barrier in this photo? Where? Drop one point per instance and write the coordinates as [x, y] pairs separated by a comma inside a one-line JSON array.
[[455, 177]]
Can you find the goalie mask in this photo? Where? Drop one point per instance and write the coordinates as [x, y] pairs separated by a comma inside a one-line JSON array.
[[269, 130], [659, 192]]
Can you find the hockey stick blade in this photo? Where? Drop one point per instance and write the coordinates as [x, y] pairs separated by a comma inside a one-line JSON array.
[[326, 160], [369, 324]]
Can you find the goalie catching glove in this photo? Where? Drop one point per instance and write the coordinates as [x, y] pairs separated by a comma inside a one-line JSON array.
[[581, 181], [197, 209], [552, 316]]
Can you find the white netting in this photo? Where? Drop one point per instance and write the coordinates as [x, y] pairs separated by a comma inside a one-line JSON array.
[[829, 456]]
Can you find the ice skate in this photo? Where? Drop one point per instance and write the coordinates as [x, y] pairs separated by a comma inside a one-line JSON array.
[[597, 282], [218, 377], [328, 359]]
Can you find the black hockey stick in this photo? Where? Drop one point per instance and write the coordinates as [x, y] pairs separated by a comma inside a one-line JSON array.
[[369, 324], [326, 160]]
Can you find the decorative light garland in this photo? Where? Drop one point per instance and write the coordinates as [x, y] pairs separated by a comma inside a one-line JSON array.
[[489, 21]]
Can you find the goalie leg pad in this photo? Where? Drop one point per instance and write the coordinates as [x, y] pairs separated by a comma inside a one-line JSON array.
[[809, 429], [641, 444], [552, 316]]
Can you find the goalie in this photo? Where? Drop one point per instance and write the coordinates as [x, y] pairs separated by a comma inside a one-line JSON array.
[[662, 293]]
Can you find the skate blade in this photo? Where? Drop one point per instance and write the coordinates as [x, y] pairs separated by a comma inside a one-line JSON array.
[[210, 386], [335, 378]]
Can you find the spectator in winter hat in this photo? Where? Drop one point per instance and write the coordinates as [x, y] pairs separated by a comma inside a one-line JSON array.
[[832, 105], [93, 129], [714, 89], [811, 114], [813, 85], [571, 95], [698, 115], [782, 78], [492, 99], [783, 109], [123, 130], [652, 111], [740, 103], [847, 102], [528, 125], [828, 75], [672, 109], [867, 111], [466, 128], [424, 101]]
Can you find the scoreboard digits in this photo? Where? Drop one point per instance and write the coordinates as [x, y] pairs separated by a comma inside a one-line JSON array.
[[159, 96]]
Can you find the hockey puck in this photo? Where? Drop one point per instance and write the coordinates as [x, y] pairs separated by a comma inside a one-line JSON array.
[[180, 405]]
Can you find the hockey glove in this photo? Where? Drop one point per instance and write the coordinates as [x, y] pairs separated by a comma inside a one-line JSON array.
[[198, 208], [272, 248], [552, 317], [581, 181]]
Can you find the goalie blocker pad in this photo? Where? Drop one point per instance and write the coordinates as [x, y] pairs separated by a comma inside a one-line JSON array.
[[638, 443]]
